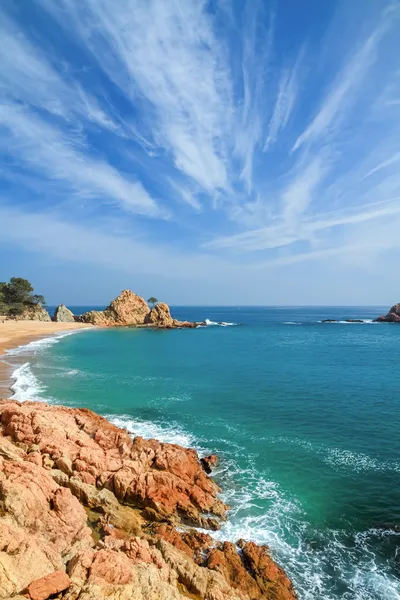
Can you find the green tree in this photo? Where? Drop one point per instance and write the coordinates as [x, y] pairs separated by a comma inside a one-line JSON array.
[[17, 295], [152, 301]]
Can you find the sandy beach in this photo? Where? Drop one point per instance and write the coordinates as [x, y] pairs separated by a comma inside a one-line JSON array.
[[17, 333]]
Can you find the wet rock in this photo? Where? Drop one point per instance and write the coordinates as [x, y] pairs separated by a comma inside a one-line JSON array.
[[208, 462]]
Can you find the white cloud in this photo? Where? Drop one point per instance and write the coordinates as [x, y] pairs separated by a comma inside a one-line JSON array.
[[284, 103], [61, 156], [166, 54], [348, 83], [28, 76]]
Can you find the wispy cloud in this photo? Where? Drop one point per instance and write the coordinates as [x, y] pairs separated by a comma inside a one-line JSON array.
[[32, 142], [284, 103], [347, 84]]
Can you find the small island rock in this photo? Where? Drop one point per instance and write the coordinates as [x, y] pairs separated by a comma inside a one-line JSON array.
[[393, 316], [63, 315]]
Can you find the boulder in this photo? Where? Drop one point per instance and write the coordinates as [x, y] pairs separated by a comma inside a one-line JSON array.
[[132, 310], [393, 316], [52, 584], [160, 316], [34, 313], [126, 309], [63, 315]]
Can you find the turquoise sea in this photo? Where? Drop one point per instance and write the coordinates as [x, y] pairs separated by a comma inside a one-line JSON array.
[[304, 415]]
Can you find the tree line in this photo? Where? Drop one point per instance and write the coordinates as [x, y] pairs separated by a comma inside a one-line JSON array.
[[16, 296]]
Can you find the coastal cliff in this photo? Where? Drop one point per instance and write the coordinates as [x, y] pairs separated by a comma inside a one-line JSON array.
[[88, 512], [130, 309]]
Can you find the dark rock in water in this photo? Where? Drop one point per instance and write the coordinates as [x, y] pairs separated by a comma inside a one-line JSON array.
[[208, 462], [63, 315], [393, 316], [354, 320], [329, 321]]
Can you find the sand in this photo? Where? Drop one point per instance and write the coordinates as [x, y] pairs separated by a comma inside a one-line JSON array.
[[18, 333]]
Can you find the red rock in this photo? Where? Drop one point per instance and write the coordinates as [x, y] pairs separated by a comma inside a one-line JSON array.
[[43, 588]]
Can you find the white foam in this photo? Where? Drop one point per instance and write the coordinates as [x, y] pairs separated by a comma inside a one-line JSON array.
[[220, 323], [42, 344], [171, 434], [26, 386]]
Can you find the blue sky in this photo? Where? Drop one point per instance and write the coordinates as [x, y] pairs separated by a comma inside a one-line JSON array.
[[222, 152]]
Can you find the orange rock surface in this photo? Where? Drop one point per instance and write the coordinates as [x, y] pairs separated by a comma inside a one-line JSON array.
[[88, 512]]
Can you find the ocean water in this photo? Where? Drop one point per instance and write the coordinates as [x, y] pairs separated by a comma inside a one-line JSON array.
[[304, 415]]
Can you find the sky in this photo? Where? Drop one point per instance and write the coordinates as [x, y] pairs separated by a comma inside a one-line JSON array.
[[203, 152]]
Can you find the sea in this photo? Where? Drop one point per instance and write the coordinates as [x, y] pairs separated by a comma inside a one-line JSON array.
[[304, 415]]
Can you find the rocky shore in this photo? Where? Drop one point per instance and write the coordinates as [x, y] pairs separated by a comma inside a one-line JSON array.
[[87, 512], [128, 309]]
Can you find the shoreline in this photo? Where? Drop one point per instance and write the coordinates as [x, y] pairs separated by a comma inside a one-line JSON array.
[[14, 334]]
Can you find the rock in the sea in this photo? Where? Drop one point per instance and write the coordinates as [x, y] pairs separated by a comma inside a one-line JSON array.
[[88, 512], [34, 313], [126, 309], [130, 309], [63, 315], [393, 316], [160, 316], [208, 462]]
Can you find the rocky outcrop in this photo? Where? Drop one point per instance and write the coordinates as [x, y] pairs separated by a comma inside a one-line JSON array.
[[63, 315], [34, 313], [160, 316], [88, 512], [393, 316], [128, 309]]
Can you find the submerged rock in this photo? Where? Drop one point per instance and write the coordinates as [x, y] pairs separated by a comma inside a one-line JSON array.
[[88, 512], [63, 314], [35, 313], [393, 316]]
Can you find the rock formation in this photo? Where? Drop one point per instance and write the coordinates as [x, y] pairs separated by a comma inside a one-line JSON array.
[[393, 316], [63, 315], [130, 309], [34, 313], [88, 512]]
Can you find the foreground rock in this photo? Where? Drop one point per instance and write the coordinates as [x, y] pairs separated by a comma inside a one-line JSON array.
[[393, 316], [63, 315], [129, 309], [86, 512], [34, 313]]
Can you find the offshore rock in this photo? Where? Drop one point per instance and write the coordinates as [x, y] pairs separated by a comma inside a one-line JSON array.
[[34, 313], [128, 309], [393, 316], [160, 316], [88, 512], [63, 315]]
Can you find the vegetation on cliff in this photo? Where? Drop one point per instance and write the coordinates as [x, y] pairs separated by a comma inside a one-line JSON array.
[[17, 296]]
